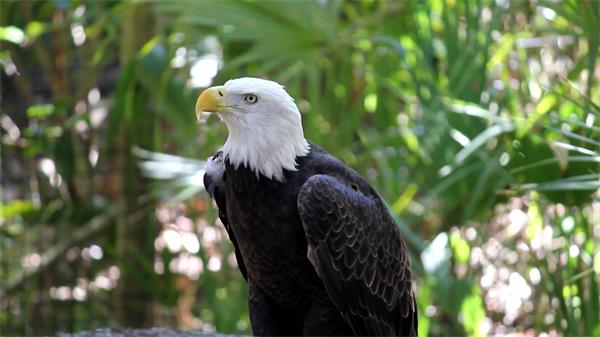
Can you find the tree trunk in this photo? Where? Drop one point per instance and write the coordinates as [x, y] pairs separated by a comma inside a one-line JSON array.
[[136, 226]]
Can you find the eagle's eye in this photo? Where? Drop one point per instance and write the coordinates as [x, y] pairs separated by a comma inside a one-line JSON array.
[[250, 98]]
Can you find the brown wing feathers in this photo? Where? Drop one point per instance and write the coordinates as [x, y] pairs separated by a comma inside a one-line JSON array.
[[359, 255]]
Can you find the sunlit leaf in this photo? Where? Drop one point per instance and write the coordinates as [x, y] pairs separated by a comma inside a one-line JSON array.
[[473, 313], [40, 111]]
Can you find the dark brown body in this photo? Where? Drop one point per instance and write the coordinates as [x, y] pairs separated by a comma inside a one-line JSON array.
[[274, 249], [287, 296]]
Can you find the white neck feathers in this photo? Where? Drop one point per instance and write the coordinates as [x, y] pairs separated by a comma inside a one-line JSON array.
[[268, 151]]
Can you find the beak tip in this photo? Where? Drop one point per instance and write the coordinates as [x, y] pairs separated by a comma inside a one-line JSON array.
[[209, 101]]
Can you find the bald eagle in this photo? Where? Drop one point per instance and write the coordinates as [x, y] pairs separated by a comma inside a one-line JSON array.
[[315, 242]]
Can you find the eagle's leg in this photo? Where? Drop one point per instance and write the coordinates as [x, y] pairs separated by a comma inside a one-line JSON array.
[[268, 318], [324, 319]]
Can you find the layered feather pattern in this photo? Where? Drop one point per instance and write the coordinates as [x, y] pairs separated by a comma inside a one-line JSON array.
[[360, 256]]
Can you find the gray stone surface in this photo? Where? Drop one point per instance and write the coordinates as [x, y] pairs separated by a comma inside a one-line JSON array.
[[153, 332]]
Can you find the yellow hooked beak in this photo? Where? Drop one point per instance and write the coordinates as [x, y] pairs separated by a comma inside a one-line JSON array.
[[211, 100]]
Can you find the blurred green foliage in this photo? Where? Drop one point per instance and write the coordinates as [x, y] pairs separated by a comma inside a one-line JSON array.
[[476, 120]]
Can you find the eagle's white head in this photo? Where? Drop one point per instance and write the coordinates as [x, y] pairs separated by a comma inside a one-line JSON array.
[[264, 123]]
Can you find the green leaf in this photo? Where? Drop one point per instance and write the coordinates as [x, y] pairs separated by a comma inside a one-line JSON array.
[[563, 185], [118, 113], [481, 139], [473, 313], [64, 154], [14, 208], [460, 248], [35, 29], [40, 111], [535, 221], [543, 107], [12, 34]]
